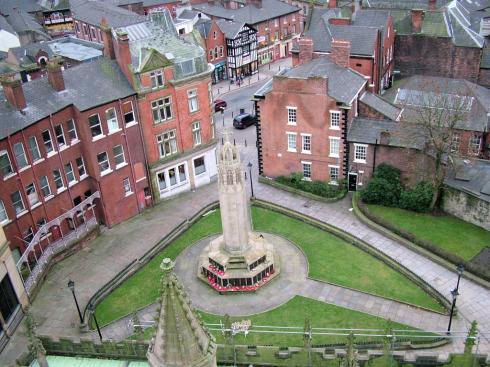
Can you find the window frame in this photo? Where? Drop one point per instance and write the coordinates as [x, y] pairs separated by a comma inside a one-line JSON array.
[[58, 135], [33, 187], [3, 213], [338, 122], [192, 98], [34, 149], [72, 128], [118, 155], [359, 146], [128, 123], [84, 174], [127, 184], [157, 107], [161, 142], [98, 126], [12, 172], [157, 79], [112, 122], [59, 178], [196, 133], [45, 186], [23, 154], [332, 152], [18, 213], [330, 168], [292, 115], [194, 165], [303, 165], [472, 145], [289, 135], [305, 143], [68, 173], [103, 172], [48, 143]]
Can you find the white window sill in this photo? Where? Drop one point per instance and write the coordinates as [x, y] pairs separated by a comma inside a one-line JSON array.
[[5, 222], [72, 183], [121, 165], [83, 177], [292, 123], [38, 161], [22, 213], [359, 161], [141, 179], [63, 189], [13, 174], [129, 193], [63, 147], [292, 150], [98, 137], [199, 174], [114, 131], [25, 168], [75, 141], [306, 152], [35, 205], [336, 183], [106, 172], [334, 127], [49, 197], [306, 178], [52, 153], [132, 123], [334, 156]]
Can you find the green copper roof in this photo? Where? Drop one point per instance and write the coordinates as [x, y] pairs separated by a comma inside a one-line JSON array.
[[58, 361]]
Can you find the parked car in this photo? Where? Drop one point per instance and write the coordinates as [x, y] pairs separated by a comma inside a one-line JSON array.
[[219, 105], [244, 120]]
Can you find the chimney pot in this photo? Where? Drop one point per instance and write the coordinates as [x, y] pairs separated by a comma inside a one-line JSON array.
[[417, 16], [13, 91], [432, 4], [332, 3], [305, 50], [340, 52], [107, 39]]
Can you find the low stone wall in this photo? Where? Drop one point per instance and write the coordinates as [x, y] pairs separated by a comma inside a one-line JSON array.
[[466, 207]]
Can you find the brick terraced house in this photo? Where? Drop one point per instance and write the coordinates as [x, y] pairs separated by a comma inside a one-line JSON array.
[[70, 156], [172, 78]]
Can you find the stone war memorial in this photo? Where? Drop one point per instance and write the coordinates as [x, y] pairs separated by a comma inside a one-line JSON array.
[[239, 260]]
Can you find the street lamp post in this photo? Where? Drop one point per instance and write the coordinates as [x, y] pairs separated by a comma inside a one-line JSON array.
[[249, 165], [454, 295], [91, 309], [71, 285], [460, 273]]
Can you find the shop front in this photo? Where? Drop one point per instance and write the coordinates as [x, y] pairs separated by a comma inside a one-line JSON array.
[[219, 72]]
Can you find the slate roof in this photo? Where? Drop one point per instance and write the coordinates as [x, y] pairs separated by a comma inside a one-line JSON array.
[[21, 21], [402, 4], [106, 83], [379, 104], [423, 88], [362, 39], [343, 83], [26, 55], [249, 14], [371, 18], [5, 26], [29, 6], [230, 29], [203, 26], [188, 14], [471, 177], [92, 12], [368, 131], [53, 5]]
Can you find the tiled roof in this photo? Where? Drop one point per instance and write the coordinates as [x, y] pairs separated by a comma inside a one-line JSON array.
[[402, 4], [362, 39], [471, 177], [230, 29], [29, 6], [203, 26], [371, 18], [106, 83], [343, 83], [21, 21], [249, 14], [5, 26], [425, 90], [26, 55], [53, 5], [379, 104], [92, 12], [188, 14]]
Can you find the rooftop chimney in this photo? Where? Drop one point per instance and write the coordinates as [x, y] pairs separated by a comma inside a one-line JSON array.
[[432, 4], [332, 3], [55, 75], [305, 50], [340, 52], [107, 39], [12, 88], [123, 54], [417, 20]]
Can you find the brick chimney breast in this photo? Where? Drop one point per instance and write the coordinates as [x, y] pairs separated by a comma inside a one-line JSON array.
[[107, 39], [332, 3], [55, 74], [417, 16], [340, 52], [305, 50], [13, 91]]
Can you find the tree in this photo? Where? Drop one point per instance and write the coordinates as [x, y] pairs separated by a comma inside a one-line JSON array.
[[35, 344], [433, 114], [351, 353]]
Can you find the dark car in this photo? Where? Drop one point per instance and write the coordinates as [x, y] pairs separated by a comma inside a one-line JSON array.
[[244, 120], [219, 105]]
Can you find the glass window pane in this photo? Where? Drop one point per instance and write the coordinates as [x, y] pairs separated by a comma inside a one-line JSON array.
[[20, 155], [34, 149]]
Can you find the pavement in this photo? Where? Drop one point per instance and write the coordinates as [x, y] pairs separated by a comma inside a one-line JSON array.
[[108, 254]]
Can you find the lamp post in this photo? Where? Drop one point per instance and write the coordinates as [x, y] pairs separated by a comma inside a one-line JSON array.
[[91, 309], [460, 273], [71, 285], [249, 165], [454, 295]]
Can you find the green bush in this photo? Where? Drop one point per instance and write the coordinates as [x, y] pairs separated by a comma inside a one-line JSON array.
[[382, 192], [417, 199], [320, 188], [389, 173]]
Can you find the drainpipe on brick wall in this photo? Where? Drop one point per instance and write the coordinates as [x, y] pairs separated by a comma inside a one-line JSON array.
[[374, 156], [345, 111]]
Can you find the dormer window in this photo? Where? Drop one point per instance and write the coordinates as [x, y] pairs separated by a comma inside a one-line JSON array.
[[156, 79]]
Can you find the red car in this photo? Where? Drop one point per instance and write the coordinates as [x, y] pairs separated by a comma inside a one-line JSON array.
[[219, 105]]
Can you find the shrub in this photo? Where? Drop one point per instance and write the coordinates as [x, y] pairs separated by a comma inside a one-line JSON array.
[[382, 192], [389, 173], [319, 188], [418, 198]]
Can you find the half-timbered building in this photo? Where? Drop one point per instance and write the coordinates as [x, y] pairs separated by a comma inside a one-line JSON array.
[[241, 48]]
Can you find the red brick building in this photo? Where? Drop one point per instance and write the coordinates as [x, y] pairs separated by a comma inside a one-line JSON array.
[[173, 82], [277, 24], [215, 46], [305, 113], [370, 33], [70, 155]]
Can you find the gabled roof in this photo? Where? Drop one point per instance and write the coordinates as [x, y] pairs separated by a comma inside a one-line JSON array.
[[362, 39], [249, 14], [106, 83], [471, 177], [5, 26], [29, 6], [230, 29], [419, 91], [53, 5], [203, 26], [377, 103], [21, 21], [188, 14], [343, 83], [371, 18], [92, 12], [26, 55]]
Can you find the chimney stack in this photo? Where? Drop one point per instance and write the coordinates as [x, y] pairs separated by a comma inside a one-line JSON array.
[[257, 3], [55, 75], [340, 52], [12, 88], [432, 4], [332, 3], [107, 39], [305, 50], [417, 20], [123, 54]]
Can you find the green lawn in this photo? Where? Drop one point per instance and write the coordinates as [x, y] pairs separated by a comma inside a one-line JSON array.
[[330, 259], [451, 234]]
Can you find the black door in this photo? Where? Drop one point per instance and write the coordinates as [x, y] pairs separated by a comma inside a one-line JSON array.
[[352, 181]]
